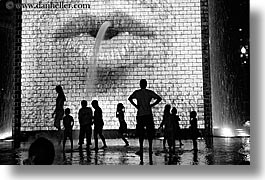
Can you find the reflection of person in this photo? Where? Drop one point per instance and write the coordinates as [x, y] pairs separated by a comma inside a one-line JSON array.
[[123, 125], [59, 111], [194, 128], [85, 120], [98, 125], [144, 114], [41, 152], [68, 123]]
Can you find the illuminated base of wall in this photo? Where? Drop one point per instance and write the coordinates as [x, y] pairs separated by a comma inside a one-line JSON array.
[[108, 133], [230, 132], [6, 135]]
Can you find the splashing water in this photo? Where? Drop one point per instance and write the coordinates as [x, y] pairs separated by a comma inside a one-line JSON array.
[[92, 70]]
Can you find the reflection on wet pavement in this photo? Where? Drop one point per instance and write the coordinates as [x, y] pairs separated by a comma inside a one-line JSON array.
[[216, 151]]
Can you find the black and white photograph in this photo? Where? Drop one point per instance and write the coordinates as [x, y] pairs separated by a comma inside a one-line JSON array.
[[125, 82]]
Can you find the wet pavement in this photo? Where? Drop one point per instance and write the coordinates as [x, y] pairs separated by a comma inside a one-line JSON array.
[[214, 151]]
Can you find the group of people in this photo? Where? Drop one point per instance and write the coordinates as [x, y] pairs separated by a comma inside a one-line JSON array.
[[144, 118], [86, 120], [171, 126], [172, 129]]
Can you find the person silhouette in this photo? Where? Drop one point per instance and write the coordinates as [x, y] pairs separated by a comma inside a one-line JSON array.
[[170, 129], [123, 126], [68, 123], [41, 152], [59, 110], [176, 120], [194, 129], [98, 125], [145, 121], [85, 116], [165, 121]]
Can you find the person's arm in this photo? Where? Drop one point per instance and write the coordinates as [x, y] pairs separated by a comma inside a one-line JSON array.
[[72, 122], [158, 100], [131, 101], [162, 123]]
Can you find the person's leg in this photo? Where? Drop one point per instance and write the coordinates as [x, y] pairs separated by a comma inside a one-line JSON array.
[[72, 145], [150, 128], [180, 143], [141, 143], [102, 137], [64, 141], [179, 137], [71, 139], [164, 143], [195, 146], [88, 135], [96, 139], [140, 131], [60, 135], [124, 139], [81, 136], [174, 144]]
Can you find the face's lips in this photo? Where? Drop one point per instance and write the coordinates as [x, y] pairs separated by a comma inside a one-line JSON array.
[[121, 22], [90, 24]]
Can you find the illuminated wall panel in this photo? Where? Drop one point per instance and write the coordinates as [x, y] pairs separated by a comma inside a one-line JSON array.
[[156, 40]]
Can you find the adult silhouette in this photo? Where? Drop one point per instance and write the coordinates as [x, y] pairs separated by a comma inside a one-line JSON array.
[[59, 110], [145, 121]]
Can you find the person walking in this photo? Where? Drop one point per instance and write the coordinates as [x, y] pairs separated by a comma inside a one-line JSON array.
[[98, 125], [123, 125]]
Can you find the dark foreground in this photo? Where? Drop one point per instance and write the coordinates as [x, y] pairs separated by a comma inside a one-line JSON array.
[[215, 151]]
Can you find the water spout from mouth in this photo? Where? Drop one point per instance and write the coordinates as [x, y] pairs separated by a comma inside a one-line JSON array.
[[92, 70]]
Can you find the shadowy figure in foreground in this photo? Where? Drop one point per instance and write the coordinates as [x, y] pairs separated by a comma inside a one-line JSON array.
[[194, 129], [98, 125], [59, 111], [145, 121], [165, 122], [85, 116], [123, 125], [176, 120], [68, 123], [170, 129], [41, 152]]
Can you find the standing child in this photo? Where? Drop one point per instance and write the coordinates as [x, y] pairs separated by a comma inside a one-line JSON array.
[[123, 126], [194, 129], [98, 125], [68, 123], [176, 120], [169, 128], [85, 121]]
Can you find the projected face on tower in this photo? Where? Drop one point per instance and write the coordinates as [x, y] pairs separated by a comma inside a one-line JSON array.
[[160, 42]]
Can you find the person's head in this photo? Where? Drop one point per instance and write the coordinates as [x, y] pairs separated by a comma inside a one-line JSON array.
[[193, 114], [41, 152], [59, 89], [94, 103], [143, 83], [174, 111], [84, 103], [120, 107], [67, 111], [167, 109]]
